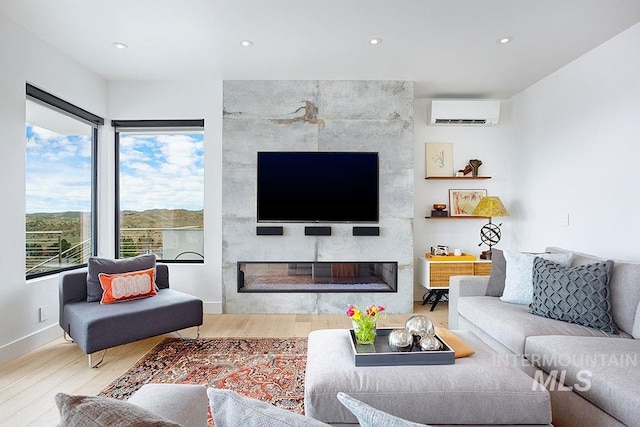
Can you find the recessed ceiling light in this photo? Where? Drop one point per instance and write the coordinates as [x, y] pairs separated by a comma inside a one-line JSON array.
[[119, 45], [246, 43], [504, 40], [374, 41]]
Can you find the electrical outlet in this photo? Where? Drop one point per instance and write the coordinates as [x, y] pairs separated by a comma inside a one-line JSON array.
[[564, 220], [44, 313]]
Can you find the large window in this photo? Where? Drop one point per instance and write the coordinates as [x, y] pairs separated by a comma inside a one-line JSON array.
[[60, 190], [160, 185]]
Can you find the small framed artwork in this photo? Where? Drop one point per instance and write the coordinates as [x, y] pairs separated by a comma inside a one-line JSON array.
[[463, 202], [438, 159]]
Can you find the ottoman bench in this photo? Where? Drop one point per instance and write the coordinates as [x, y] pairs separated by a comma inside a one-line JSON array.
[[479, 389]]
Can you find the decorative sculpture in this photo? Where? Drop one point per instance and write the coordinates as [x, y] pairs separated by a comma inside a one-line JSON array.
[[400, 340], [475, 164]]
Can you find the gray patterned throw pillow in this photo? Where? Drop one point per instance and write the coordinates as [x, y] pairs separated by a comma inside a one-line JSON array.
[[573, 294]]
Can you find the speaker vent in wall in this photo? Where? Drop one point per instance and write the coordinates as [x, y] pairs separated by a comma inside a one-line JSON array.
[[269, 231], [317, 231], [366, 231]]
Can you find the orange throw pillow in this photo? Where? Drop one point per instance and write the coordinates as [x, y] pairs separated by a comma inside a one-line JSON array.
[[127, 286]]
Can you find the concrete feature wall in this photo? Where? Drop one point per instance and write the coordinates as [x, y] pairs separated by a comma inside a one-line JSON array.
[[317, 116]]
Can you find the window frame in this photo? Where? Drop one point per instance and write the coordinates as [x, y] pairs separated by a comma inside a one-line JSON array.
[[146, 125], [48, 100]]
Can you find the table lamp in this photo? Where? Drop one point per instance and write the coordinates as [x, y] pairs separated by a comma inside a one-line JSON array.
[[490, 206]]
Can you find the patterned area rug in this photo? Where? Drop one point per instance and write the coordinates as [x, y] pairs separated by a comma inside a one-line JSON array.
[[268, 369]]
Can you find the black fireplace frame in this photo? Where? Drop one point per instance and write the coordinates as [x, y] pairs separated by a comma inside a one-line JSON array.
[[318, 287]]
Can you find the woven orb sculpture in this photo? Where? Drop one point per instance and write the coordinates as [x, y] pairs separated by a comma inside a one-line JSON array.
[[490, 234]]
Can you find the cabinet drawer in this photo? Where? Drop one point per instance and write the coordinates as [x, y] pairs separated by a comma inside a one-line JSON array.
[[439, 273], [482, 269]]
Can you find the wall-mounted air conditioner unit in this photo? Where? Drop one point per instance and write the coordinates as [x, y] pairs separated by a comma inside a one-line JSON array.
[[464, 112]]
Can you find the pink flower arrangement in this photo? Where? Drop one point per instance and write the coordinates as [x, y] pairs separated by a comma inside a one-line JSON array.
[[364, 323], [372, 312]]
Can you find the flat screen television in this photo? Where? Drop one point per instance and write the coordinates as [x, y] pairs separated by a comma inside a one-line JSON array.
[[310, 186]]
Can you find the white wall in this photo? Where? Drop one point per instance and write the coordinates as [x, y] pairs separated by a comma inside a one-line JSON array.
[[181, 100], [490, 144], [577, 134], [27, 59]]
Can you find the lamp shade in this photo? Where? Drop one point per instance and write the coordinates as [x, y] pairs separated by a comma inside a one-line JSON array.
[[490, 206]]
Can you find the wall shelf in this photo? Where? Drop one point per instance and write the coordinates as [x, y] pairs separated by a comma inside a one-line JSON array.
[[457, 177]]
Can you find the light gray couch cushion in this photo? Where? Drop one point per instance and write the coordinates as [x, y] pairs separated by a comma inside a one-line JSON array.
[[186, 404], [605, 371], [573, 294], [511, 324], [472, 391], [624, 286]]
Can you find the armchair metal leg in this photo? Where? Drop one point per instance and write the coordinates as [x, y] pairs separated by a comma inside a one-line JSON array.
[[182, 337], [91, 365]]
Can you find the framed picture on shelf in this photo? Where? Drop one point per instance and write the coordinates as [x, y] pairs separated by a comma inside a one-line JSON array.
[[463, 202], [438, 159]]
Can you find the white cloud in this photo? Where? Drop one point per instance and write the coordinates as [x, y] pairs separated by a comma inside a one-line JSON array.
[[167, 173], [58, 174]]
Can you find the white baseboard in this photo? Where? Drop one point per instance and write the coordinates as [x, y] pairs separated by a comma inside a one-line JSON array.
[[30, 342], [212, 307]]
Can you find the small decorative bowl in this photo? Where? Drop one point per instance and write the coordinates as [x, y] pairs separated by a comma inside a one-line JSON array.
[[439, 206]]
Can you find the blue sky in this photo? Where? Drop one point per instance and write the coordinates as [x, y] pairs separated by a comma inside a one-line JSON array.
[[162, 171], [58, 171], [156, 171]]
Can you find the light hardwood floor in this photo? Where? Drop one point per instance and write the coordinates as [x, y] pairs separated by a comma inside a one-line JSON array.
[[29, 383]]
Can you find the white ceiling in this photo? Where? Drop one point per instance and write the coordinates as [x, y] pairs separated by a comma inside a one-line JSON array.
[[448, 47]]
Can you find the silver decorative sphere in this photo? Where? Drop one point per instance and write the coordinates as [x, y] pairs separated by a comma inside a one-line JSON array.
[[430, 343], [419, 325], [400, 340]]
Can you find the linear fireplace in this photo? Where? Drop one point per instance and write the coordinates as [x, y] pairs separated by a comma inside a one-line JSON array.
[[342, 276]]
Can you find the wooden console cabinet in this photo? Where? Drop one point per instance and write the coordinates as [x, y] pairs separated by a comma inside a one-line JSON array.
[[434, 275]]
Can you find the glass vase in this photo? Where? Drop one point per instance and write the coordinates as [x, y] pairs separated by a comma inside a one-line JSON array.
[[365, 331]]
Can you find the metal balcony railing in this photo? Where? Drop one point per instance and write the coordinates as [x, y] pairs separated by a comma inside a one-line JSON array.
[[45, 252], [138, 241], [48, 251]]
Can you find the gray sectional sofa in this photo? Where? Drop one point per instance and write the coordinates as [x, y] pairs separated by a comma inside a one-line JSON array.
[[597, 374]]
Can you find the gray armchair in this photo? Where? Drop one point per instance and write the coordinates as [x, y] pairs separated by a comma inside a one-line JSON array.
[[96, 327]]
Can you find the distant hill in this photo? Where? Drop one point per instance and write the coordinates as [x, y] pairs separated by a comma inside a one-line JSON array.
[[70, 223], [161, 218]]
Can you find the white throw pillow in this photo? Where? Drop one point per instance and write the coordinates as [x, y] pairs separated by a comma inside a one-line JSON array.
[[518, 283]]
